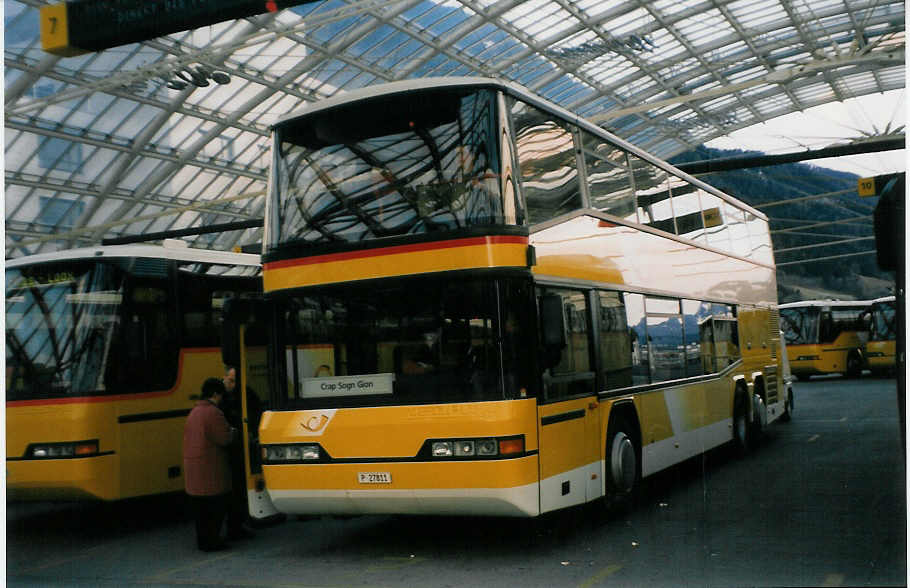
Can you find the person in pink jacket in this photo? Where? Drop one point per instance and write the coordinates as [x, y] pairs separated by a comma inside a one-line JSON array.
[[207, 437]]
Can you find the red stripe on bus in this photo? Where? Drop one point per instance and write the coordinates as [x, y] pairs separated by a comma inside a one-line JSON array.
[[412, 248]]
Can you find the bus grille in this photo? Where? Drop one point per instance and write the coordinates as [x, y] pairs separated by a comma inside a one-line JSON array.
[[774, 328], [770, 372]]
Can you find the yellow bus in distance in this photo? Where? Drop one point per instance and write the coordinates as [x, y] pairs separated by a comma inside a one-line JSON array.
[[825, 336], [880, 350], [485, 305], [106, 350]]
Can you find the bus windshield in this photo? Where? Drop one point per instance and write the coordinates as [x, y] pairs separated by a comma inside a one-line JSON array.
[[394, 165], [60, 322], [800, 325], [420, 340]]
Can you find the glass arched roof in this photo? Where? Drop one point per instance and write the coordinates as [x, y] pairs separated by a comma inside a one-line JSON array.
[[173, 132]]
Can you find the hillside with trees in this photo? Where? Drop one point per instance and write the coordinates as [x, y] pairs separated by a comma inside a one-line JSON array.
[[849, 277]]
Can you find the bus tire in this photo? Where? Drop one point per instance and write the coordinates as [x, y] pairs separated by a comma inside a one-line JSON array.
[[854, 364], [742, 429], [622, 463], [788, 406]]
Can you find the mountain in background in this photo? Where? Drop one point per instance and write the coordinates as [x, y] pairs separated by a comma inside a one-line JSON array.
[[855, 277]]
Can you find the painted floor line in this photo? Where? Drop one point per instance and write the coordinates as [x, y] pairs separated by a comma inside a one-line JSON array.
[[599, 576]]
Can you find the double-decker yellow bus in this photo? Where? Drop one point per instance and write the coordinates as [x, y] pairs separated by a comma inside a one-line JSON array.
[[106, 350], [880, 351], [825, 336], [482, 304]]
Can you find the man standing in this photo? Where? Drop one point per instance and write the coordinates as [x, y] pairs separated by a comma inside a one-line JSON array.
[[207, 437]]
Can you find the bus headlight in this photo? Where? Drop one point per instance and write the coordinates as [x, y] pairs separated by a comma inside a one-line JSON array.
[[62, 450], [482, 447], [808, 358], [291, 453]]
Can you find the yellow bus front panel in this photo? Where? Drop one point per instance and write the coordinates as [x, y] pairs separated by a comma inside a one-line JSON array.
[[46, 426], [818, 359], [881, 355], [90, 478], [376, 460], [134, 441]]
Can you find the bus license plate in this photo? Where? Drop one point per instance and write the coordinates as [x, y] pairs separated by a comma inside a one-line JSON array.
[[374, 477]]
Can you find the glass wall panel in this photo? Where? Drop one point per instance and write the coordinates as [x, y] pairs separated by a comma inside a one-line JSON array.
[[609, 181], [547, 163], [616, 347], [652, 195]]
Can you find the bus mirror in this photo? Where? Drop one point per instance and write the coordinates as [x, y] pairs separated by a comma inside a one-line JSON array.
[[552, 322]]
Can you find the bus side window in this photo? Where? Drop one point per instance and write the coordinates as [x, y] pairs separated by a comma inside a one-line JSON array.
[[615, 341], [568, 372], [151, 338]]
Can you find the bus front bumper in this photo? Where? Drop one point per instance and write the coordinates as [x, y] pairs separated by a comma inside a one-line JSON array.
[[484, 488], [89, 478]]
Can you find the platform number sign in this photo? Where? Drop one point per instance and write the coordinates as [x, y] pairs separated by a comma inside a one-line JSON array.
[[866, 187]]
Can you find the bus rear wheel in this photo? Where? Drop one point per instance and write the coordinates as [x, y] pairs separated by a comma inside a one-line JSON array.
[[622, 464], [742, 429]]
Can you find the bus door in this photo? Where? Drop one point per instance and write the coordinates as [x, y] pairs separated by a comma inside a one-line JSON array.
[[568, 420], [244, 346]]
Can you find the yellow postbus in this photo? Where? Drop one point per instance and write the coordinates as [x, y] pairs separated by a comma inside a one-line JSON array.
[[825, 336], [880, 350], [482, 304], [106, 350]]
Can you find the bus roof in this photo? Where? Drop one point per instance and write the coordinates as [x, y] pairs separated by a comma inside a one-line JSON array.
[[405, 86], [177, 253], [819, 303], [883, 299]]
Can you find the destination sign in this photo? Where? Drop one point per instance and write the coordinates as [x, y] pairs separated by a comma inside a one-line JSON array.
[[74, 28], [348, 385]]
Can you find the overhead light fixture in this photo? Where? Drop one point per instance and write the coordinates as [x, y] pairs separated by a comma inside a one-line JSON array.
[[198, 76]]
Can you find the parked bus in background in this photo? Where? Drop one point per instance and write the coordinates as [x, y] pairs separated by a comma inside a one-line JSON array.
[[106, 351], [484, 305], [880, 349], [825, 336]]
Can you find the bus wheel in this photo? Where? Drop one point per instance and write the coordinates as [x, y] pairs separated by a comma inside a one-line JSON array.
[[854, 365], [741, 425], [788, 407], [623, 463]]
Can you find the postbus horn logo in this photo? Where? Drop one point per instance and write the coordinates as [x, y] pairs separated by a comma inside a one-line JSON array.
[[315, 423]]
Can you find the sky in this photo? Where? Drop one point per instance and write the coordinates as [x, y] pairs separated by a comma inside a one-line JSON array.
[[827, 125]]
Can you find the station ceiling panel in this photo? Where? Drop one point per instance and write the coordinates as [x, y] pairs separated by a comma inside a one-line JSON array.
[[173, 132]]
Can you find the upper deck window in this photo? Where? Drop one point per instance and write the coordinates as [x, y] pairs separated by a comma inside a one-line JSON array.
[[549, 169], [393, 165]]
